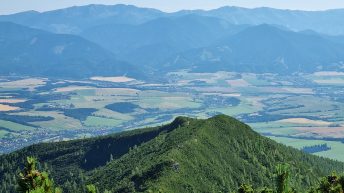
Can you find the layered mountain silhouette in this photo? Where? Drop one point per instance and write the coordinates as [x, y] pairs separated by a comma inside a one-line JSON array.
[[74, 20], [94, 39], [77, 19], [153, 41], [265, 48], [327, 21], [28, 51]]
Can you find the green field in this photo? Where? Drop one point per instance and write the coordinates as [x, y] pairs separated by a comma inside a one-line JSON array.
[[92, 121], [335, 153], [285, 106], [3, 133], [14, 126]]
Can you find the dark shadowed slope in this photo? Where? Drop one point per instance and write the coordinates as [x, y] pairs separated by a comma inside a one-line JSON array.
[[188, 155], [27, 51]]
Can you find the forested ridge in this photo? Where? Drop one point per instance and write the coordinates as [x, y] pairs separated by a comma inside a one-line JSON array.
[[219, 154]]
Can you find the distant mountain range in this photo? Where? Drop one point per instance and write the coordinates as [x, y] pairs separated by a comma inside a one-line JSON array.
[[77, 19], [327, 22], [94, 39], [152, 42], [27, 51], [188, 155], [264, 48]]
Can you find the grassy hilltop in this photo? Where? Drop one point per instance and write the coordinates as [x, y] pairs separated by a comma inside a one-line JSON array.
[[188, 155]]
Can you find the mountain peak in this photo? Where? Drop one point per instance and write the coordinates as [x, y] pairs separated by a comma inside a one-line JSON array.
[[229, 8], [181, 121], [192, 155]]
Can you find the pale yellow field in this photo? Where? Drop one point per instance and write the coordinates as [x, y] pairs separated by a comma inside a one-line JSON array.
[[329, 73], [12, 101], [330, 81], [73, 88], [220, 94], [4, 108], [238, 83], [117, 79], [273, 90], [116, 91], [232, 95], [331, 132], [305, 121], [168, 102], [214, 89], [30, 83], [150, 85], [299, 90]]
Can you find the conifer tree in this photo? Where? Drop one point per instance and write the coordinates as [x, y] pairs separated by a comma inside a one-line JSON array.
[[266, 190], [331, 184], [282, 178], [33, 181], [245, 188], [91, 188]]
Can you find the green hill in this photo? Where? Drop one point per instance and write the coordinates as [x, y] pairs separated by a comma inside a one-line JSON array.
[[188, 155]]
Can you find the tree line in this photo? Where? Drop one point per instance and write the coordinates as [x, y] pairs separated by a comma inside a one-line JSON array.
[[30, 180]]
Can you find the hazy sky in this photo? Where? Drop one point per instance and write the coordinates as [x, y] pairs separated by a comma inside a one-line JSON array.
[[13, 6]]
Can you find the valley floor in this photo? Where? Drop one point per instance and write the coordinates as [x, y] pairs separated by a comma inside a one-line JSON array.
[[303, 111]]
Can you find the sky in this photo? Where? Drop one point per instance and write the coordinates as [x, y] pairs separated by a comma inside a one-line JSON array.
[[14, 6]]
